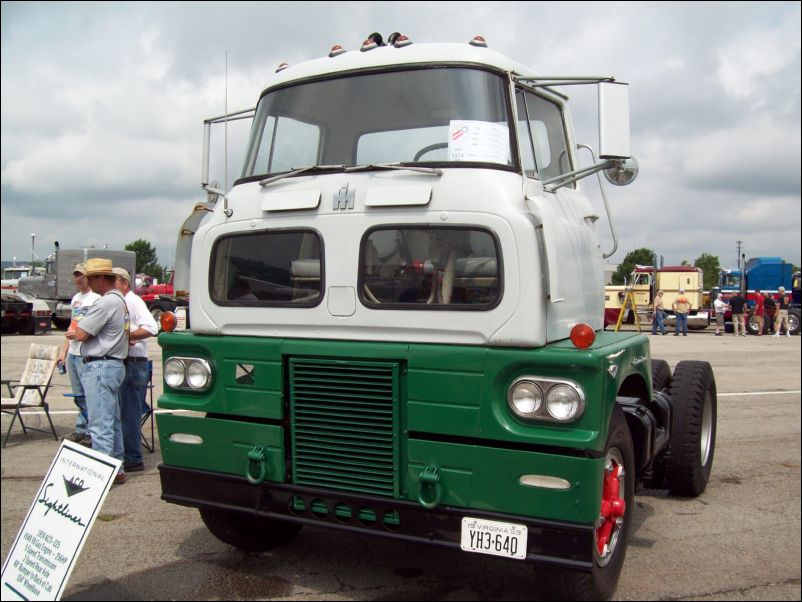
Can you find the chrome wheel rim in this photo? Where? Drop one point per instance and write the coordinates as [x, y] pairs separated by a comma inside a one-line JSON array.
[[706, 443]]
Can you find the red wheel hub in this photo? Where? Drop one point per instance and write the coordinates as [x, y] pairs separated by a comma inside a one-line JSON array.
[[613, 507]]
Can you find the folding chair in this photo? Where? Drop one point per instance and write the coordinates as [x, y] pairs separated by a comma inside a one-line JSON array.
[[31, 390], [147, 412]]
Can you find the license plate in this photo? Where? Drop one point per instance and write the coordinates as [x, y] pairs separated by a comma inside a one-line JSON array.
[[493, 537]]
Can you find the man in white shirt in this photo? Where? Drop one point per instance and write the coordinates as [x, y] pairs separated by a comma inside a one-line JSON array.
[[137, 372], [70, 354]]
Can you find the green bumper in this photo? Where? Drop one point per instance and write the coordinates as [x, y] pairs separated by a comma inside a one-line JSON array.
[[421, 423]]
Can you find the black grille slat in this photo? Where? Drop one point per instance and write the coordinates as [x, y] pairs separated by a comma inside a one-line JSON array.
[[344, 423]]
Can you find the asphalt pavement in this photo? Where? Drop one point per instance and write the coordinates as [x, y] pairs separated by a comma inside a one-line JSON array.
[[740, 540]]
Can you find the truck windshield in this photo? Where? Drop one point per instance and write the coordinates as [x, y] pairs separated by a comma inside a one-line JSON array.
[[445, 116]]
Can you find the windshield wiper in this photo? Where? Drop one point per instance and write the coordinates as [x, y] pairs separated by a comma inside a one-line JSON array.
[[299, 170], [353, 168], [427, 170]]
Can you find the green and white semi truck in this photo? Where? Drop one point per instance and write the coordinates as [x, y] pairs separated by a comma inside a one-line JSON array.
[[395, 324]]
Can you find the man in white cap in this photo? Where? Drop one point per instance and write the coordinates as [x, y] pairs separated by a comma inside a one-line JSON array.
[[137, 372], [70, 354], [103, 332], [783, 303]]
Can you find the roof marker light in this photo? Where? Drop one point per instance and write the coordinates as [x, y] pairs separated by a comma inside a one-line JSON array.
[[336, 50], [478, 41], [368, 44], [401, 40], [582, 336], [282, 67]]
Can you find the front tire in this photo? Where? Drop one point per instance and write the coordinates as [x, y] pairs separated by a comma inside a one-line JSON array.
[[793, 322], [751, 325], [612, 527], [688, 460], [247, 532], [61, 323]]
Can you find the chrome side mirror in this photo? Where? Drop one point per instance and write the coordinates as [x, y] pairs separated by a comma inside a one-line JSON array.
[[622, 172]]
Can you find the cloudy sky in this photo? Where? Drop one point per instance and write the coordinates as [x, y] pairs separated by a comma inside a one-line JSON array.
[[103, 103]]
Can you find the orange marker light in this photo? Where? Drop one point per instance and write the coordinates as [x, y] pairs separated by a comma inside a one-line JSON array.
[[168, 321], [582, 336]]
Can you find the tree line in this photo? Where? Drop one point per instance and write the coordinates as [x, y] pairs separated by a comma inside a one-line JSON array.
[[146, 260], [708, 263]]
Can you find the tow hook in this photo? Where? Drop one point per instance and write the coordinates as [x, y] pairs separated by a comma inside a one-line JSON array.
[[430, 478], [257, 458]]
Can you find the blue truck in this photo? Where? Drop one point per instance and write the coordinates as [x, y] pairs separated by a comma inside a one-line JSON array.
[[767, 275]]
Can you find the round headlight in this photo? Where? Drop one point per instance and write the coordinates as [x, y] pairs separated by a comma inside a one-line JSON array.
[[525, 398], [563, 402], [198, 375], [174, 373]]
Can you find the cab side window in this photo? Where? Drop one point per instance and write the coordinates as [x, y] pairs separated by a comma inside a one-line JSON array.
[[541, 130]]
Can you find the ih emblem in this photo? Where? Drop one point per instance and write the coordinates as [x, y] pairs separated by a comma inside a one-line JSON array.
[[344, 199]]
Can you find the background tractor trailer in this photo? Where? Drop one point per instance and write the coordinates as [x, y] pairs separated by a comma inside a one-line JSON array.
[[764, 274], [645, 281], [396, 324], [56, 286], [159, 297]]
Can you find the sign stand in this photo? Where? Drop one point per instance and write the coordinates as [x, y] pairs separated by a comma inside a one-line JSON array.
[[53, 533]]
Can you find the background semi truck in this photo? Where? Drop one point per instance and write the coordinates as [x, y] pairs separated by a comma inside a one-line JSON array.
[[764, 274], [645, 281], [396, 323], [56, 286], [159, 297]]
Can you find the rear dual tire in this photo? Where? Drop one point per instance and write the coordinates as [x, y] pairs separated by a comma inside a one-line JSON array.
[[688, 460]]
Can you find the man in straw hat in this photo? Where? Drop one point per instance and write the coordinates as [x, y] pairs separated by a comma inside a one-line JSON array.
[[103, 334], [70, 354], [137, 372]]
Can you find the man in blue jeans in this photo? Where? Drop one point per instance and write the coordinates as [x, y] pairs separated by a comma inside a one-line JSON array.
[[103, 333], [70, 354], [137, 372], [681, 307], [659, 314]]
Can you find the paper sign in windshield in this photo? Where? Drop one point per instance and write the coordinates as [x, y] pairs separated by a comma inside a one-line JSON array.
[[479, 141], [51, 537]]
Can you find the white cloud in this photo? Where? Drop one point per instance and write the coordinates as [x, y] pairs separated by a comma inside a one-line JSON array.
[[102, 107], [759, 54]]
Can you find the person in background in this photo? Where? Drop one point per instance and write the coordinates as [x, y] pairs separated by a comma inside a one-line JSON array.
[[70, 354], [720, 306], [737, 304], [137, 372], [659, 314], [760, 311], [103, 333], [783, 303], [681, 307], [770, 310]]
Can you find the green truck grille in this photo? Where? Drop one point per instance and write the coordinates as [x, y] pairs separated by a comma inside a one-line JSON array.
[[344, 425]]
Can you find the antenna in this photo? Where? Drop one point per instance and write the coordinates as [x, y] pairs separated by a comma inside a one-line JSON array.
[[226, 210]]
